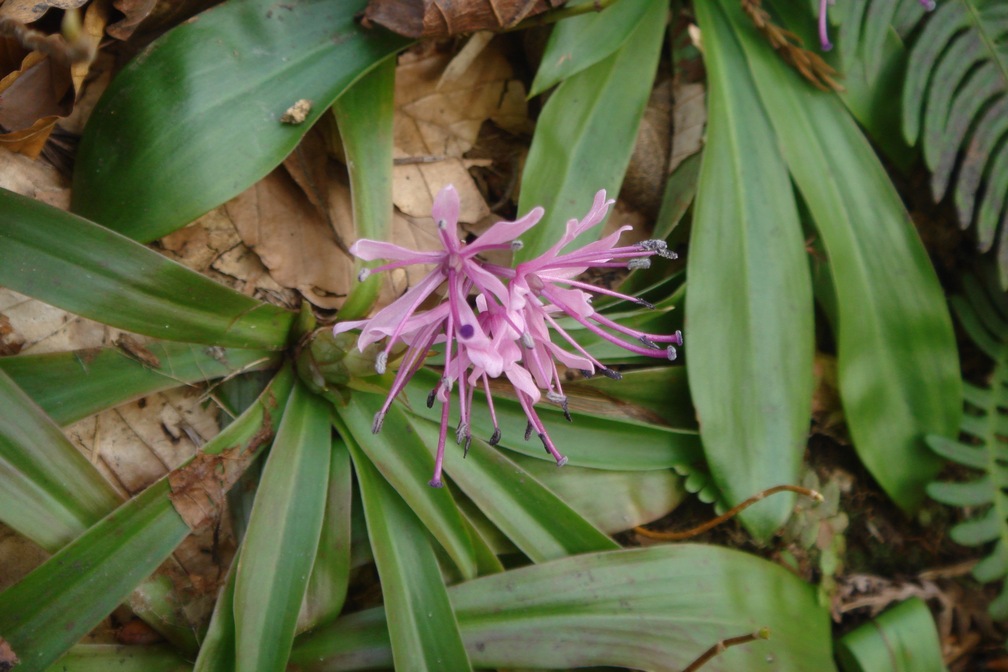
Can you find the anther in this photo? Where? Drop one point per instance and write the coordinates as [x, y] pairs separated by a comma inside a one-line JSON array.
[[526, 340], [648, 342], [442, 224], [670, 352], [381, 362], [528, 431], [678, 337], [430, 397], [461, 432], [495, 439], [364, 274], [609, 373], [638, 263], [376, 424], [653, 245], [646, 304], [435, 483], [516, 245]]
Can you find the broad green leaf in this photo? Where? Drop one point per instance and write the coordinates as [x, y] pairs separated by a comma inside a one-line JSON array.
[[656, 609], [327, 585], [422, 628], [902, 639], [539, 523], [73, 385], [749, 317], [105, 657], [52, 492], [587, 441], [407, 464], [86, 269], [658, 395], [364, 114], [196, 117], [613, 501], [283, 535], [582, 41], [585, 134], [897, 361], [57, 604]]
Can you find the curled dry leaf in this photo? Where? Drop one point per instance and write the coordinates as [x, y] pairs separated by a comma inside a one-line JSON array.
[[40, 76], [29, 11], [441, 19], [437, 121], [646, 174], [134, 12], [689, 121]]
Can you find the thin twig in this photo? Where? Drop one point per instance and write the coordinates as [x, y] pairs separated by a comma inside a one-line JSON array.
[[720, 647], [731, 513]]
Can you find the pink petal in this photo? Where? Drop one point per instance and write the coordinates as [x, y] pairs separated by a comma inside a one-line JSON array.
[[505, 232], [388, 318], [369, 250], [446, 209]]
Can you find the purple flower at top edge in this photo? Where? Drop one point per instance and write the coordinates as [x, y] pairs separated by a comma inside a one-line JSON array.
[[510, 334], [824, 42]]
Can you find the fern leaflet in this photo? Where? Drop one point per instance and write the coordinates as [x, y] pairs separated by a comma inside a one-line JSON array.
[[983, 313]]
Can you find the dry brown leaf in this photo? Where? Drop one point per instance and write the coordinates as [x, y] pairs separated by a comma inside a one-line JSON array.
[[134, 12], [646, 174], [18, 557], [441, 19], [689, 121], [29, 11], [34, 179], [8, 659], [435, 126]]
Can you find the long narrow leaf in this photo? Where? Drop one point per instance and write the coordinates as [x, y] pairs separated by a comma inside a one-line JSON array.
[[749, 304], [73, 385], [654, 609], [58, 603], [364, 114], [585, 134], [104, 657], [283, 535], [52, 492], [201, 108], [422, 627], [897, 361], [86, 269]]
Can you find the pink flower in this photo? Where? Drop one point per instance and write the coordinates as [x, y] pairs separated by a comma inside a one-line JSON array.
[[506, 330]]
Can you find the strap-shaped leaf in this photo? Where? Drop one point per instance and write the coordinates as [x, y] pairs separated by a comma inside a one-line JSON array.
[[957, 89], [196, 118], [897, 364], [749, 317], [73, 385], [903, 639], [86, 269], [52, 492], [657, 608], [422, 627], [585, 134], [582, 41], [57, 604], [283, 535]]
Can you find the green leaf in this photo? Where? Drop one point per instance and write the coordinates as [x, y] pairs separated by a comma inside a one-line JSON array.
[[73, 385], [581, 41], [58, 603], [195, 118], [364, 114], [539, 523], [407, 464], [217, 650], [422, 628], [327, 585], [587, 441], [52, 492], [104, 657], [897, 362], [81, 267], [656, 608], [902, 639], [749, 318], [586, 132], [283, 535]]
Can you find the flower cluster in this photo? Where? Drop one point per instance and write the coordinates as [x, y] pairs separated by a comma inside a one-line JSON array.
[[497, 321], [824, 41]]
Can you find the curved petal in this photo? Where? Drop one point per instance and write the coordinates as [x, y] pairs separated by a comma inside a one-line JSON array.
[[505, 231], [388, 319], [446, 209], [369, 250]]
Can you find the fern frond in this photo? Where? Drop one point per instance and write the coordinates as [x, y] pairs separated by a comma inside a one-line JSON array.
[[865, 25], [983, 448], [956, 91]]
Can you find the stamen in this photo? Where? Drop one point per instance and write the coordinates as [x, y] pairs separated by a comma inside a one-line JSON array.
[[379, 420], [648, 342], [461, 432], [667, 254], [528, 430], [435, 483], [516, 245], [586, 373], [678, 336], [381, 362], [431, 397], [653, 245], [442, 224], [646, 304], [495, 439], [671, 353], [465, 448], [609, 373], [526, 340], [638, 263], [363, 275]]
